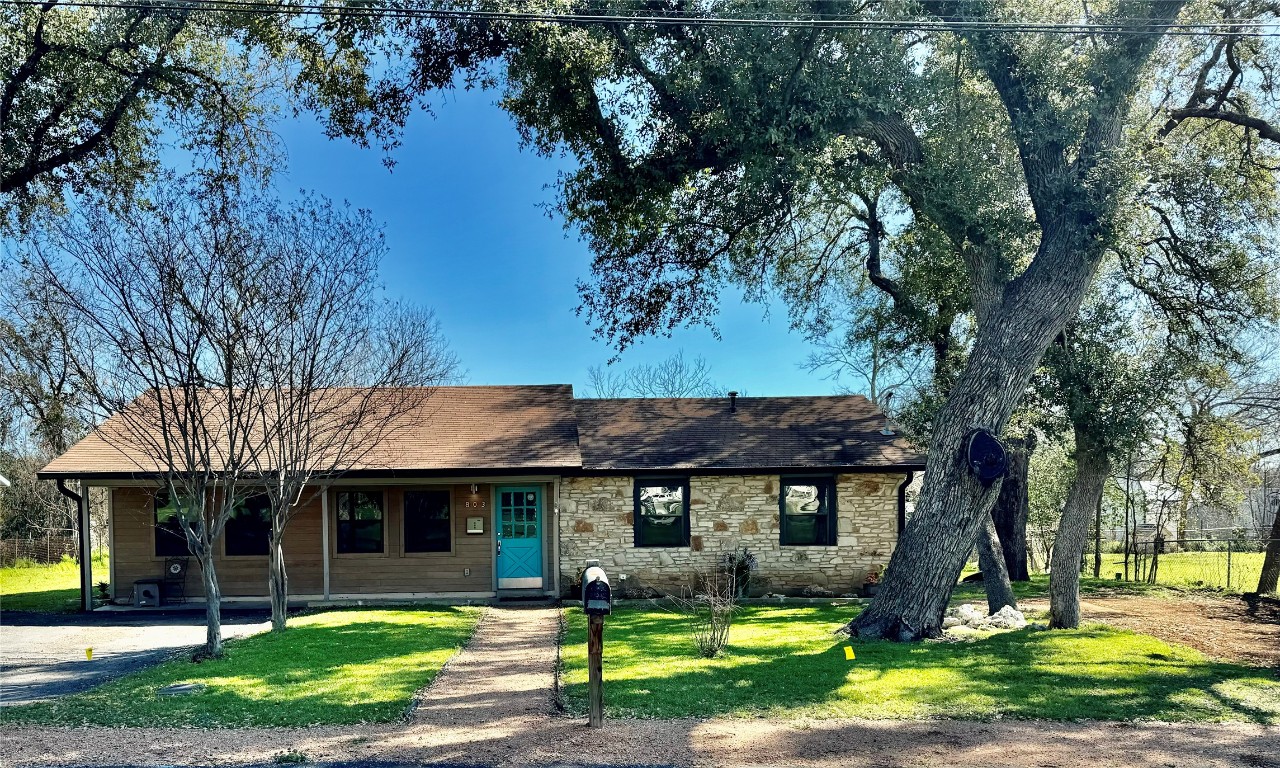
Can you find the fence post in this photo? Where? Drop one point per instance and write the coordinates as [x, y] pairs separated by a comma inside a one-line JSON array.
[[1230, 546]]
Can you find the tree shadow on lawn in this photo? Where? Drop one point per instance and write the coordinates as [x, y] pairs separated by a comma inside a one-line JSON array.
[[1096, 672], [41, 601], [361, 671]]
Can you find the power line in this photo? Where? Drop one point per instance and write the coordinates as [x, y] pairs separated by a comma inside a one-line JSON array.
[[615, 15]]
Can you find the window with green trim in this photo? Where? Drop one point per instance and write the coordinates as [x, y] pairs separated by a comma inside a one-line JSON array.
[[662, 512], [360, 526], [248, 530], [807, 511], [427, 524], [171, 540]]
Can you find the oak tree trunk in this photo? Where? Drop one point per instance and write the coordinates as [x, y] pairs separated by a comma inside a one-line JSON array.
[[995, 578], [1014, 321], [1011, 511], [1097, 539], [278, 581], [212, 604], [1267, 582], [931, 552], [1092, 469]]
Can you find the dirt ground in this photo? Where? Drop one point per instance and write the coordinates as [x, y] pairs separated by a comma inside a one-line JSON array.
[[1229, 628], [561, 743], [493, 705]]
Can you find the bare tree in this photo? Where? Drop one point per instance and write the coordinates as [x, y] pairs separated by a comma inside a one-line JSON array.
[[165, 298], [345, 371], [40, 406], [675, 376], [869, 347], [606, 382], [36, 378]]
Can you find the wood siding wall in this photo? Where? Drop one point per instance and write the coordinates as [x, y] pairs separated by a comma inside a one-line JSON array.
[[133, 552], [395, 571], [388, 572]]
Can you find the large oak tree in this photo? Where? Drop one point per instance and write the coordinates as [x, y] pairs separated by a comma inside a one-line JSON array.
[[764, 155], [711, 156]]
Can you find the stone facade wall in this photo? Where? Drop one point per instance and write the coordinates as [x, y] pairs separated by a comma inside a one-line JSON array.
[[728, 511]]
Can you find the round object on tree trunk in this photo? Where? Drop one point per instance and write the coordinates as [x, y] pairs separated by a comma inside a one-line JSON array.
[[986, 456]]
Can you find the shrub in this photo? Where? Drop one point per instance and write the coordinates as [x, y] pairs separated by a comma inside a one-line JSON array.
[[711, 615], [712, 599]]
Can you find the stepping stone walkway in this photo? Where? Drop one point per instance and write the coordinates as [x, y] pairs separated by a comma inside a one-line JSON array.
[[503, 680], [494, 704]]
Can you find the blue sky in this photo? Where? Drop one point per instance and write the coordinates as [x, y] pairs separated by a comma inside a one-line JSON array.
[[467, 236]]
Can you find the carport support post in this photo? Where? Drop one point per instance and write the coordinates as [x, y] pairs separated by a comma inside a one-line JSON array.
[[86, 545], [595, 669], [86, 549]]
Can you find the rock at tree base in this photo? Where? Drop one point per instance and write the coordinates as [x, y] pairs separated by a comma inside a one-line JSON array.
[[970, 616]]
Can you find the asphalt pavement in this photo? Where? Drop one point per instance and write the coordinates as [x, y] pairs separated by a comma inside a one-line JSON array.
[[42, 656]]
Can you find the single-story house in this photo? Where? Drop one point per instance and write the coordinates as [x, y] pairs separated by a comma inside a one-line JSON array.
[[509, 490]]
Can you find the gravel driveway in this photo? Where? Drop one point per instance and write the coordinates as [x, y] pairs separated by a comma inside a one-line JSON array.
[[43, 655]]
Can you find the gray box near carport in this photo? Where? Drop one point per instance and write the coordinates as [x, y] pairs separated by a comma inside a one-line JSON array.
[[146, 593]]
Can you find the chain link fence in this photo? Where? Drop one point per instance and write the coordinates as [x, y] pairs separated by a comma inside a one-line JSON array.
[[1230, 565], [41, 551]]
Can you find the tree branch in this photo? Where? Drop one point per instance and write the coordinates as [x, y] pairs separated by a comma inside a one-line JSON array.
[[130, 96], [1264, 128]]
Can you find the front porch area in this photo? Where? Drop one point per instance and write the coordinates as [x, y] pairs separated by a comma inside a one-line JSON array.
[[358, 542]]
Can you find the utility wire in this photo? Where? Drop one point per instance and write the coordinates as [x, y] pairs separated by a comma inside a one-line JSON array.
[[608, 12], [611, 14]]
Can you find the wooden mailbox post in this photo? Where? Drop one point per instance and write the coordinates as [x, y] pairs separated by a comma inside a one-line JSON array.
[[597, 601]]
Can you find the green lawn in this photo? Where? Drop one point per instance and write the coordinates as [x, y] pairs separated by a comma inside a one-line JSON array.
[[48, 588], [1178, 573], [785, 662], [338, 667], [1038, 588]]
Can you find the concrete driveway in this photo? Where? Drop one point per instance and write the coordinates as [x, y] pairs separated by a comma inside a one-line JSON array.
[[42, 656]]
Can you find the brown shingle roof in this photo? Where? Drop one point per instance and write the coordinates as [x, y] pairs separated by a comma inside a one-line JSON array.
[[773, 432], [500, 428], [453, 428]]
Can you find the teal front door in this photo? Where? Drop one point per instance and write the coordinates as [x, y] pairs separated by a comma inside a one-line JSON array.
[[519, 537]]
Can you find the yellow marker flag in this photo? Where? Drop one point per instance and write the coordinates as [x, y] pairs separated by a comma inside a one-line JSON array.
[[848, 653]]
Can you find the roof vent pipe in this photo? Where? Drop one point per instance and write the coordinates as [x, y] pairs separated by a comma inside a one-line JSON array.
[[733, 401]]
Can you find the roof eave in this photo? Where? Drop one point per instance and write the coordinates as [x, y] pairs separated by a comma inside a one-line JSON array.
[[355, 474], [838, 469], [568, 470]]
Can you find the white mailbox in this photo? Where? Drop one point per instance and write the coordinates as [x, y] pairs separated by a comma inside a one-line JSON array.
[[475, 525]]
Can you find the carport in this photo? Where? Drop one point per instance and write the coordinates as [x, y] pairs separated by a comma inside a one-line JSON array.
[[84, 531]]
